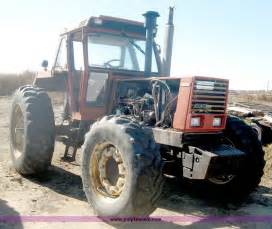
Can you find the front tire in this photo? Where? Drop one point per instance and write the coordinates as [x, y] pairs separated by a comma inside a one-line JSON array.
[[244, 138], [133, 185], [32, 130]]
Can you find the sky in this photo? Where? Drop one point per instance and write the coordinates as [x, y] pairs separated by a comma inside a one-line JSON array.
[[222, 38]]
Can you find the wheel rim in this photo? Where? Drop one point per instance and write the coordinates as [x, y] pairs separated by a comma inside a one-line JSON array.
[[222, 179], [18, 132], [108, 172]]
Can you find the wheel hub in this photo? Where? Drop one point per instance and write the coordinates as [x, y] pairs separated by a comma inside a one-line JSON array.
[[108, 170], [18, 132], [221, 179]]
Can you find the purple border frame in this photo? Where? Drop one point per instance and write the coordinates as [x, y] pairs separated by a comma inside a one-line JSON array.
[[162, 219]]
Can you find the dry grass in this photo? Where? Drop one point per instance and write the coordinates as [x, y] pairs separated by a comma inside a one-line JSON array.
[[10, 82], [260, 96], [251, 96], [265, 96]]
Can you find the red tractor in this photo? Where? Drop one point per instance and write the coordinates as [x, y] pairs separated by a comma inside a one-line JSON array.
[[133, 122]]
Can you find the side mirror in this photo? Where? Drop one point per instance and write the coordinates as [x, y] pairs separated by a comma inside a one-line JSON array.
[[45, 64]]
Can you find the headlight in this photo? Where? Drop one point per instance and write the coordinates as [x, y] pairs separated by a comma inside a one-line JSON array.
[[217, 122], [195, 121]]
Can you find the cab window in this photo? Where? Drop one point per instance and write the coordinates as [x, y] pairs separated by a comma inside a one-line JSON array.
[[61, 60], [96, 88]]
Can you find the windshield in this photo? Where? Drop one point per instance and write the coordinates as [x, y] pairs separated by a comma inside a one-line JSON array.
[[116, 52]]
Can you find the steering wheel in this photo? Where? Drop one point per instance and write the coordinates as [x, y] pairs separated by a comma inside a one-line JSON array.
[[108, 63]]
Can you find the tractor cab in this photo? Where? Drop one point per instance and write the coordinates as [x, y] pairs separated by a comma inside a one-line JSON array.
[[91, 56]]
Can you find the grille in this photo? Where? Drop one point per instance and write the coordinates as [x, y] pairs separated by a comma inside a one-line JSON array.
[[209, 96]]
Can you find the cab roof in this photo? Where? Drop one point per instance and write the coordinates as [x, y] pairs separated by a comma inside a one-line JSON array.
[[109, 23]]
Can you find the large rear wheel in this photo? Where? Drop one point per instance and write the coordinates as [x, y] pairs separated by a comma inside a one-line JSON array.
[[32, 130]]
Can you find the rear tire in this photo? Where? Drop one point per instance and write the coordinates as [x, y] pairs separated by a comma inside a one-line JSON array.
[[32, 130], [142, 163], [244, 138]]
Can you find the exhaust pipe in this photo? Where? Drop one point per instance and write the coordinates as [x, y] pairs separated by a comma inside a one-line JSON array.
[[168, 44], [151, 29]]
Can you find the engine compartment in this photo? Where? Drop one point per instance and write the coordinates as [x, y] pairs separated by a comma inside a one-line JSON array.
[[153, 103]]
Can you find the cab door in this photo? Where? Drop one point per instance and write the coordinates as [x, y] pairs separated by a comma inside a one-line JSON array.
[[76, 71], [94, 89]]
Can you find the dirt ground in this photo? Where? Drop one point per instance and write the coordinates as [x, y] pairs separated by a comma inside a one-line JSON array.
[[60, 193]]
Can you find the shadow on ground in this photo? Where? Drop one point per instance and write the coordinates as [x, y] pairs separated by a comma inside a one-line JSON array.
[[185, 198], [10, 218], [177, 197], [62, 181]]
